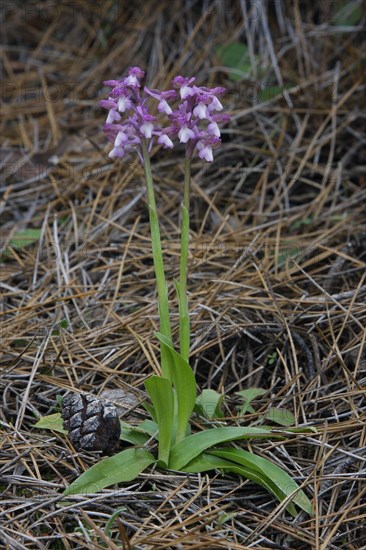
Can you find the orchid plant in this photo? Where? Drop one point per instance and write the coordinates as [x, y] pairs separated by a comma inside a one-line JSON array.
[[191, 115]]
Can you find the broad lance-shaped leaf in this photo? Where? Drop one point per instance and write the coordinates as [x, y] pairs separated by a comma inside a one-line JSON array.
[[51, 422], [205, 462], [133, 435], [280, 416], [209, 403], [185, 386], [193, 445], [281, 482], [122, 467], [161, 394], [248, 395]]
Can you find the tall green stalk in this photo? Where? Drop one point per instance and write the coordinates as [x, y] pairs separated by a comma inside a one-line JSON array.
[[184, 328], [161, 284]]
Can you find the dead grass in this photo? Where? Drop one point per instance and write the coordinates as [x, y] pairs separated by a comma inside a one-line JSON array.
[[277, 266]]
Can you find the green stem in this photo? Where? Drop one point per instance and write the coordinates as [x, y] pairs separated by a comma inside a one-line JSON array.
[[184, 329], [161, 284]]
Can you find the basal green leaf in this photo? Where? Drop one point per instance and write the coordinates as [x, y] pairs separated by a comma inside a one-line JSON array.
[[133, 435], [235, 56], [300, 430], [205, 462], [20, 240], [51, 422], [349, 13], [161, 394], [149, 426], [24, 238], [209, 403], [122, 467], [278, 479], [248, 396], [185, 386], [150, 409], [193, 445], [283, 417], [269, 92]]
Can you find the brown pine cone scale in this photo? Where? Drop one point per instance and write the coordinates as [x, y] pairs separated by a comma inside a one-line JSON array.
[[93, 424]]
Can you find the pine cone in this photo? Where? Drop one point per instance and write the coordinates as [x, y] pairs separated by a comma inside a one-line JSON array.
[[93, 425]]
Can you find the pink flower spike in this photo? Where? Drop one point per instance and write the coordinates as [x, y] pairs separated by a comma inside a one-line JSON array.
[[147, 129], [165, 141], [186, 134]]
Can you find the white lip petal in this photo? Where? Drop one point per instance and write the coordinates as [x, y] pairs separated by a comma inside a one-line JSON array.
[[165, 141], [186, 91], [200, 111], [185, 134], [112, 116], [116, 152], [146, 129], [206, 154], [164, 107], [121, 138], [214, 129], [215, 105], [121, 104], [132, 81]]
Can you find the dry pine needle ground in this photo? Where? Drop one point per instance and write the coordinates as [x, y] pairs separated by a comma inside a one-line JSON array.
[[277, 284]]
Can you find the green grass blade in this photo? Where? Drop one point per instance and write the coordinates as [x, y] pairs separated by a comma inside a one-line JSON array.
[[185, 386], [193, 445], [161, 394], [122, 467], [276, 476]]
